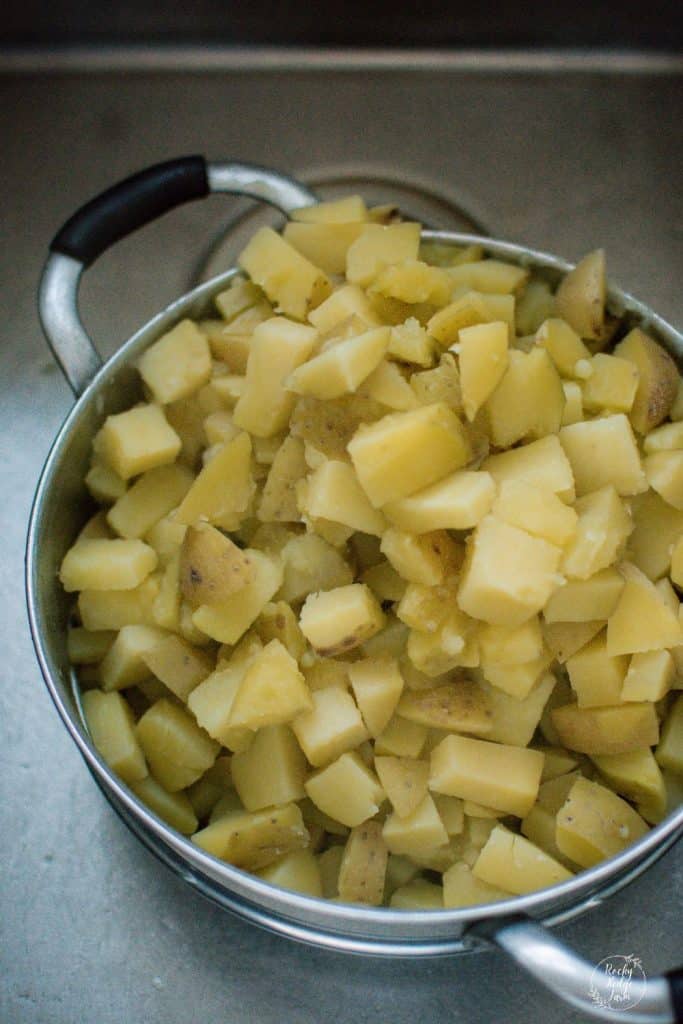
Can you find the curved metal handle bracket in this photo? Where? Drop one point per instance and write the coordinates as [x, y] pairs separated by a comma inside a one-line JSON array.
[[59, 285]]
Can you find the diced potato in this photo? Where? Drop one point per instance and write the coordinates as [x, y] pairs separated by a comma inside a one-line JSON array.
[[252, 840], [566, 638], [404, 781], [385, 583], [334, 211], [657, 526], [297, 870], [562, 344], [539, 512], [178, 751], [508, 574], [423, 558], [669, 751], [517, 680], [401, 738], [347, 790], [389, 386], [111, 727], [135, 441], [175, 808], [288, 278], [461, 888], [604, 451], [489, 275], [417, 832], [379, 247], [636, 776], [413, 281], [331, 727], [458, 502], [607, 730], [215, 783], [440, 384], [642, 619], [336, 621], [587, 599], [324, 245], [517, 645], [123, 663], [542, 464], [410, 343], [650, 676], [377, 685], [113, 609], [211, 703], [239, 296], [86, 647], [529, 400], [513, 862], [573, 403], [342, 368], [483, 359], [329, 864], [362, 870], [177, 364], [277, 621], [612, 384], [104, 484], [417, 895], [451, 645], [664, 472], [271, 771], [211, 567], [167, 603], [657, 379], [515, 719], [595, 823], [272, 690], [494, 774], [604, 525], [580, 298], [333, 492], [664, 439], [152, 496], [461, 706], [178, 665], [345, 303], [229, 619], [165, 537], [558, 761], [224, 488], [106, 565], [597, 679], [311, 564]]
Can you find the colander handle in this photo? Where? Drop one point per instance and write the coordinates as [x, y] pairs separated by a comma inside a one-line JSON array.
[[118, 212]]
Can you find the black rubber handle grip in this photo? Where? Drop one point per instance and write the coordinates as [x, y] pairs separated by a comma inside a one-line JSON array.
[[675, 979], [130, 205]]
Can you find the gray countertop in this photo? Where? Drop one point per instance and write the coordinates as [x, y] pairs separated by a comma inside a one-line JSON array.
[[92, 928]]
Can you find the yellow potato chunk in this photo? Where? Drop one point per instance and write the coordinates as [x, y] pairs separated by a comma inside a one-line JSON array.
[[401, 738], [333, 492], [252, 840], [594, 823], [311, 564], [603, 526], [404, 781], [515, 864], [508, 574], [86, 647], [461, 888], [336, 621], [348, 302], [342, 368], [277, 347], [461, 706], [562, 344], [362, 871], [106, 565], [135, 441], [423, 558], [573, 403], [417, 895], [458, 502], [334, 211], [537, 511], [272, 691], [597, 679], [420, 831], [277, 621], [347, 790], [636, 776], [664, 439], [497, 775], [113, 609], [332, 726], [657, 527], [227, 620], [177, 664], [289, 280], [516, 645], [224, 488], [604, 451], [178, 751], [377, 685], [669, 751], [529, 400], [123, 665], [177, 364], [297, 870], [413, 281], [211, 566], [541, 463], [278, 502], [325, 245], [612, 384], [517, 681], [489, 275], [664, 472], [174, 808], [658, 379], [410, 343], [112, 729], [606, 730], [379, 247], [483, 360], [587, 599], [389, 386], [388, 456], [211, 703], [642, 619], [271, 771], [580, 298], [566, 638], [149, 499], [650, 676]]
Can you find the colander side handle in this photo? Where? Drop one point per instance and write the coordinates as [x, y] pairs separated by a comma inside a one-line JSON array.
[[119, 211]]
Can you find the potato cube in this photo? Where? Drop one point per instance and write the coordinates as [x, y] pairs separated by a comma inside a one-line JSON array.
[[252, 840], [508, 574], [311, 564], [539, 512], [277, 621], [333, 492], [580, 298], [324, 245], [413, 281], [165, 537], [536, 305], [573, 403], [566, 638], [86, 647], [489, 275], [597, 678], [421, 558], [562, 344], [178, 751], [388, 456], [377, 685], [602, 529], [664, 439], [347, 790], [297, 870], [223, 489], [642, 619], [211, 567], [332, 726], [137, 440], [401, 738], [271, 771], [517, 681], [458, 502], [177, 364], [468, 310], [362, 871], [104, 484], [289, 280], [657, 526], [650, 676], [123, 665], [461, 706], [606, 730], [587, 599], [658, 379], [558, 761], [177, 664], [450, 646], [461, 888], [636, 776], [111, 727], [211, 704], [604, 451], [333, 211], [669, 752], [229, 619], [278, 502], [388, 385], [106, 565], [113, 609], [174, 808], [664, 472], [152, 496], [342, 368], [420, 831], [516, 645], [345, 303], [404, 781], [528, 401], [483, 360], [417, 895], [273, 690], [595, 823], [514, 863], [494, 774], [542, 464], [335, 621], [379, 247], [612, 384]]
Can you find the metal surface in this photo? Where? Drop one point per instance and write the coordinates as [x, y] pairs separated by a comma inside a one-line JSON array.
[[159, 954]]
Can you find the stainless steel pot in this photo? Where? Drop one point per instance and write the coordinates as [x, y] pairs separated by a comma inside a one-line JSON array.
[[519, 925]]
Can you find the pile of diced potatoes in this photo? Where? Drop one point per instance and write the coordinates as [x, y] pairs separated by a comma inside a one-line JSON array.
[[381, 602]]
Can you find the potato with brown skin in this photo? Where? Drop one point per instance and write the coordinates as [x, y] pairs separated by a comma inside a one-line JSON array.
[[211, 566], [658, 379], [580, 298], [461, 706]]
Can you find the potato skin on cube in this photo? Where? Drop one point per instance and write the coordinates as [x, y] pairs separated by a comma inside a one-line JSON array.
[[594, 823], [606, 730], [252, 840], [363, 866], [212, 567]]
